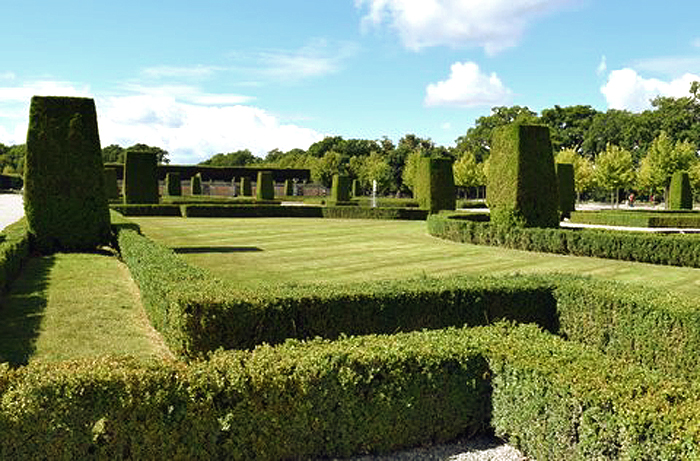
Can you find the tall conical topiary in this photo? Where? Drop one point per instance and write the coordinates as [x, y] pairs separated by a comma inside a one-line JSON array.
[[173, 185], [680, 194], [196, 184], [65, 200]]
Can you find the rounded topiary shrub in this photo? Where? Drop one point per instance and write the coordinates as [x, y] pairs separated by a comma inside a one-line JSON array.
[[680, 194], [64, 190]]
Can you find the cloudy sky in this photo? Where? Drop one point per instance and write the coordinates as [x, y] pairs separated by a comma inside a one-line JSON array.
[[198, 78]]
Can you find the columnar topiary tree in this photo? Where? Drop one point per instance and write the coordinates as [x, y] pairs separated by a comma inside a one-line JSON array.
[[265, 187], [196, 184], [340, 190], [140, 177], [435, 184], [566, 188], [522, 184], [111, 185], [288, 187], [246, 187], [356, 192], [173, 184], [680, 194], [64, 186]]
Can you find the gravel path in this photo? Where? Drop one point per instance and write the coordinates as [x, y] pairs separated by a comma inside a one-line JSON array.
[[11, 209]]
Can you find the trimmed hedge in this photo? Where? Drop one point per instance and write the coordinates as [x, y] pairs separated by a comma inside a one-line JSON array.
[[111, 185], [680, 194], [522, 186], [196, 184], [11, 182], [265, 187], [173, 185], [672, 250], [566, 188], [288, 188], [435, 187], [64, 191], [147, 210], [140, 178], [340, 191], [14, 250], [639, 218], [246, 187]]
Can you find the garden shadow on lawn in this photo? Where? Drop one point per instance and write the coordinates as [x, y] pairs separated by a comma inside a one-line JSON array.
[[221, 249], [22, 309]]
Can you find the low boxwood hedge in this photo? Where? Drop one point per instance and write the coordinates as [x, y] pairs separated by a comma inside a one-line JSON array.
[[14, 250], [655, 219], [672, 250]]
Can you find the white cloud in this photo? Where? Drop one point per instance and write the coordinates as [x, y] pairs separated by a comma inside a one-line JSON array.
[[467, 86], [626, 89], [602, 66], [316, 59], [493, 24], [180, 72], [670, 66], [189, 123]]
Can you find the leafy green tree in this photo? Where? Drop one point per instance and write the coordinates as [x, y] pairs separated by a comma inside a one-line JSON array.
[[679, 117], [468, 172], [373, 167], [614, 170], [584, 174], [478, 138], [620, 128], [331, 164], [410, 171], [161, 154], [327, 144], [664, 158], [568, 125], [113, 153], [238, 158]]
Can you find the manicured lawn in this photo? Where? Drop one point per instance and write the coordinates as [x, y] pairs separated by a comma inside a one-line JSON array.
[[255, 250], [68, 306]]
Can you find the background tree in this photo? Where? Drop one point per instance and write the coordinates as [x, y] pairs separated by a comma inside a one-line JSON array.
[[568, 125], [326, 167], [614, 170], [664, 158], [238, 158], [161, 154], [12, 158], [468, 172], [113, 153], [584, 173]]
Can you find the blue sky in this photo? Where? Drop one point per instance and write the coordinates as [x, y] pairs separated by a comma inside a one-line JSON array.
[[198, 78]]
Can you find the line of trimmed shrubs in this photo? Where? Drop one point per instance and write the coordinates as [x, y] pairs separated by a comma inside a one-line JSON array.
[[197, 313], [14, 250], [266, 210], [672, 250], [671, 218], [371, 394]]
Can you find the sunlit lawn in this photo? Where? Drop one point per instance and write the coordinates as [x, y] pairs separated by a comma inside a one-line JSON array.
[[68, 306], [326, 250]]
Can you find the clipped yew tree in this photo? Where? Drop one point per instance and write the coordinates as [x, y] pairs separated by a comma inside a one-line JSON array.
[[522, 186], [566, 189], [435, 184], [65, 200], [173, 184], [140, 177], [265, 187], [111, 184], [288, 187], [246, 187], [356, 191], [196, 184], [340, 190], [680, 194]]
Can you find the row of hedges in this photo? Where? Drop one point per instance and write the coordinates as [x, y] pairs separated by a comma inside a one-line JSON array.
[[14, 250], [372, 394], [197, 313], [672, 250], [269, 209], [672, 219], [11, 182]]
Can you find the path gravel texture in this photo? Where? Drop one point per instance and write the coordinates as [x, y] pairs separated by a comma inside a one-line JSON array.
[[11, 209]]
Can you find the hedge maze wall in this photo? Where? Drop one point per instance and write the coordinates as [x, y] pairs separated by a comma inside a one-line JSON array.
[[265, 189], [111, 185], [522, 187], [680, 194], [64, 186], [435, 187], [140, 179]]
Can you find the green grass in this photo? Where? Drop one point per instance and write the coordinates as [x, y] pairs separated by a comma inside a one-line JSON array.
[[261, 250], [69, 306]]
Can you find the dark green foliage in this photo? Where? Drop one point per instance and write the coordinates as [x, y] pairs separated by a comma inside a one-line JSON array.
[[680, 194], [356, 191], [246, 187], [147, 209], [672, 250], [111, 185], [639, 218], [64, 191], [140, 177], [435, 187], [340, 190], [11, 182], [265, 187], [567, 191], [196, 184], [14, 250], [173, 185], [522, 185], [288, 188]]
